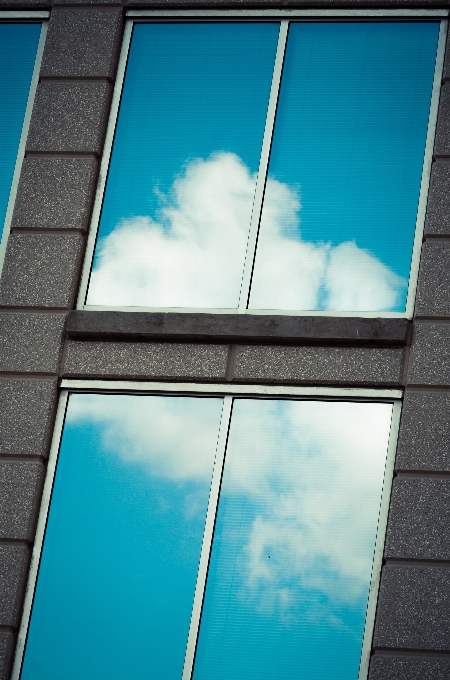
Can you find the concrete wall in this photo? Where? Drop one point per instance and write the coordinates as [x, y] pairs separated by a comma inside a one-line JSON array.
[[38, 345]]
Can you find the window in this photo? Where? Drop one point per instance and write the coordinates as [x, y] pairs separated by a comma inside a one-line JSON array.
[[18, 55], [211, 532], [262, 166]]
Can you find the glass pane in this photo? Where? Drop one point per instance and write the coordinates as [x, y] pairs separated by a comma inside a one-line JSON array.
[[293, 547], [341, 200], [120, 558], [179, 195], [18, 46]]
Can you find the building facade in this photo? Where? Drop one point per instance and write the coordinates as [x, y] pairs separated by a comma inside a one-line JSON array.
[[47, 344]]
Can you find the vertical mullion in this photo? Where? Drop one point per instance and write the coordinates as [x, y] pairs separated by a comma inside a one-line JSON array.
[[207, 539], [263, 168]]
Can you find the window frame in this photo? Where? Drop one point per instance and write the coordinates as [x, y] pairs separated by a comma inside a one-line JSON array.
[[228, 392], [283, 16], [22, 18]]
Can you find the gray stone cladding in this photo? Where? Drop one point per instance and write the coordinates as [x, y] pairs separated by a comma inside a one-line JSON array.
[[38, 288]]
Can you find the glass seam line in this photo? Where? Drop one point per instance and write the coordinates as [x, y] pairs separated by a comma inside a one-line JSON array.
[[263, 168], [207, 539]]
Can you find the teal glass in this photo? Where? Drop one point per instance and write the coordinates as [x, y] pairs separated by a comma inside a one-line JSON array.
[[340, 206], [18, 48], [122, 545], [291, 562], [179, 194]]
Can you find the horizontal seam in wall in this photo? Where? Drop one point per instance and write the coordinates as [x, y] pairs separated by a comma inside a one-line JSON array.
[[432, 389], [436, 238], [401, 651], [442, 320], [14, 542], [21, 458], [27, 309], [27, 374], [7, 629], [62, 154], [47, 230], [439, 157], [399, 562], [422, 474]]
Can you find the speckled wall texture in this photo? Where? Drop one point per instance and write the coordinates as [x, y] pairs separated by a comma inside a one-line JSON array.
[[38, 288]]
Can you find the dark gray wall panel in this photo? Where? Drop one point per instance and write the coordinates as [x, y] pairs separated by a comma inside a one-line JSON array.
[[442, 140], [41, 270], [408, 668], [413, 608], [20, 489], [328, 365], [419, 519], [26, 408], [30, 342], [14, 560], [424, 439], [69, 117], [438, 206], [55, 193], [145, 360], [6, 652], [430, 354], [433, 293], [82, 43]]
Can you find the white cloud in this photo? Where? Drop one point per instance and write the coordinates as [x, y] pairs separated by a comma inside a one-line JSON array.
[[311, 472], [192, 253]]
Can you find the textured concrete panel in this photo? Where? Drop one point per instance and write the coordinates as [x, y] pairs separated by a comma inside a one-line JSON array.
[[424, 438], [7, 643], [442, 139], [69, 117], [408, 668], [419, 519], [433, 293], [145, 360], [82, 43], [30, 342], [413, 608], [430, 354], [41, 270], [26, 411], [329, 365], [438, 207], [55, 193], [14, 560], [20, 491]]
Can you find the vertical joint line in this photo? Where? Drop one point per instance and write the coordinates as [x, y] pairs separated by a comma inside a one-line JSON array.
[[207, 539], [263, 168]]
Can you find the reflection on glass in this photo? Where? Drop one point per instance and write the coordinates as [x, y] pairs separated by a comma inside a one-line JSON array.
[[180, 188], [18, 46], [292, 554], [120, 558], [341, 199]]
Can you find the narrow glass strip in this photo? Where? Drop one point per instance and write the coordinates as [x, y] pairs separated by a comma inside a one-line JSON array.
[[379, 545], [263, 167], [40, 532], [426, 171], [95, 220], [207, 539]]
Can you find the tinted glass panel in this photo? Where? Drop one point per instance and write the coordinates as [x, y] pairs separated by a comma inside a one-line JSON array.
[[18, 46], [120, 558], [292, 554], [345, 168], [180, 189]]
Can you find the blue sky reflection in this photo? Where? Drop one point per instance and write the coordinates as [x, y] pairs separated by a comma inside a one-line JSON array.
[[294, 540]]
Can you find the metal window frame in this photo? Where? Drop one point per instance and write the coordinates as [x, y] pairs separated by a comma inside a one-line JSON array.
[[283, 16], [228, 393], [22, 17]]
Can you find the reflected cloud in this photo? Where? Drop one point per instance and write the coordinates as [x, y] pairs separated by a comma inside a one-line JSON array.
[[192, 253], [170, 437]]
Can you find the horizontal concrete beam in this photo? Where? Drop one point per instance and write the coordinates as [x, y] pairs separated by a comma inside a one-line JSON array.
[[237, 328]]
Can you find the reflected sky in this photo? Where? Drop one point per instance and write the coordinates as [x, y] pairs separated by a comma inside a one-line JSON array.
[[294, 540], [120, 558], [18, 46], [345, 167], [192, 92]]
